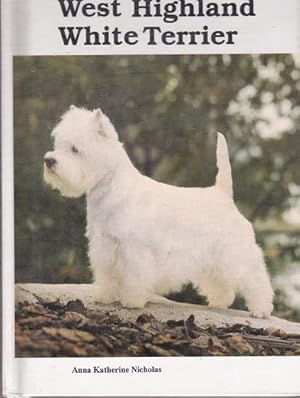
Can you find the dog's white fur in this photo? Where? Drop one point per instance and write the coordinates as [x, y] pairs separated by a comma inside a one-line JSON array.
[[147, 238]]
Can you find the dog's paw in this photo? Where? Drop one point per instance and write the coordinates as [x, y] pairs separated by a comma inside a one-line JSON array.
[[220, 302], [220, 298], [261, 313], [106, 297], [217, 304], [133, 301]]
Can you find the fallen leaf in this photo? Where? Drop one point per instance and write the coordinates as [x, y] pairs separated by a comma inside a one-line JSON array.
[[76, 317], [50, 331], [239, 344], [34, 320], [75, 335]]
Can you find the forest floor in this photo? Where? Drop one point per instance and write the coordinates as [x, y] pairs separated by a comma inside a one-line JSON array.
[[70, 329]]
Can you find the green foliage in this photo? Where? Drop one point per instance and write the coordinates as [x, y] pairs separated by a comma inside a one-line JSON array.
[[167, 110], [188, 294]]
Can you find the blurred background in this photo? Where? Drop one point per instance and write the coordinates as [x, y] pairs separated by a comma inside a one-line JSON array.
[[167, 110]]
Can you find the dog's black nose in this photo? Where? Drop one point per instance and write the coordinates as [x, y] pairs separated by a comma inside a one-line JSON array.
[[50, 162]]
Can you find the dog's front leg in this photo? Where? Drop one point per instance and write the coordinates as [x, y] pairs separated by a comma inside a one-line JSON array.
[[106, 288], [135, 277], [103, 256], [132, 295]]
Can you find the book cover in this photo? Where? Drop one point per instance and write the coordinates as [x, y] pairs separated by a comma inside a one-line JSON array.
[[150, 197]]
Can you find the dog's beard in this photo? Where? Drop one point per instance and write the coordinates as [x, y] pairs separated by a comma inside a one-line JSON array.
[[69, 186]]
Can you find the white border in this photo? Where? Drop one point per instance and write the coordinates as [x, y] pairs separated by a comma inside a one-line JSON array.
[[180, 376], [184, 376], [33, 25], [9, 370]]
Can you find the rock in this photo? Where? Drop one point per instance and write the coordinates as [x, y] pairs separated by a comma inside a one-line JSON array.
[[34, 293]]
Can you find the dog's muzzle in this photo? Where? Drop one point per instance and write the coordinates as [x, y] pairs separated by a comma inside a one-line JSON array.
[[50, 162]]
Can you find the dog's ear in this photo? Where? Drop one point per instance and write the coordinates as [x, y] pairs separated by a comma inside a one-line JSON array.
[[72, 107], [105, 127], [98, 115]]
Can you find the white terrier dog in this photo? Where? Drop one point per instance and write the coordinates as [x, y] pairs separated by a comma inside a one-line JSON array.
[[146, 238]]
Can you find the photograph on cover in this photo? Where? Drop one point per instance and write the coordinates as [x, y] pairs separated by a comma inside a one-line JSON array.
[[157, 205]]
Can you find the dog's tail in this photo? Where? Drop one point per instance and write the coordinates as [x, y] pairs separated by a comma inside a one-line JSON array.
[[224, 178]]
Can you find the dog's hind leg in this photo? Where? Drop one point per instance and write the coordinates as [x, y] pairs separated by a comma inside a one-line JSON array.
[[256, 286], [259, 295], [259, 298]]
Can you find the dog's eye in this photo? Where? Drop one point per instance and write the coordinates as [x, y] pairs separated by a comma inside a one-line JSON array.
[[74, 149]]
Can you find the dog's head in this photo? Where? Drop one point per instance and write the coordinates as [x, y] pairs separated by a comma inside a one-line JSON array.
[[83, 154]]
